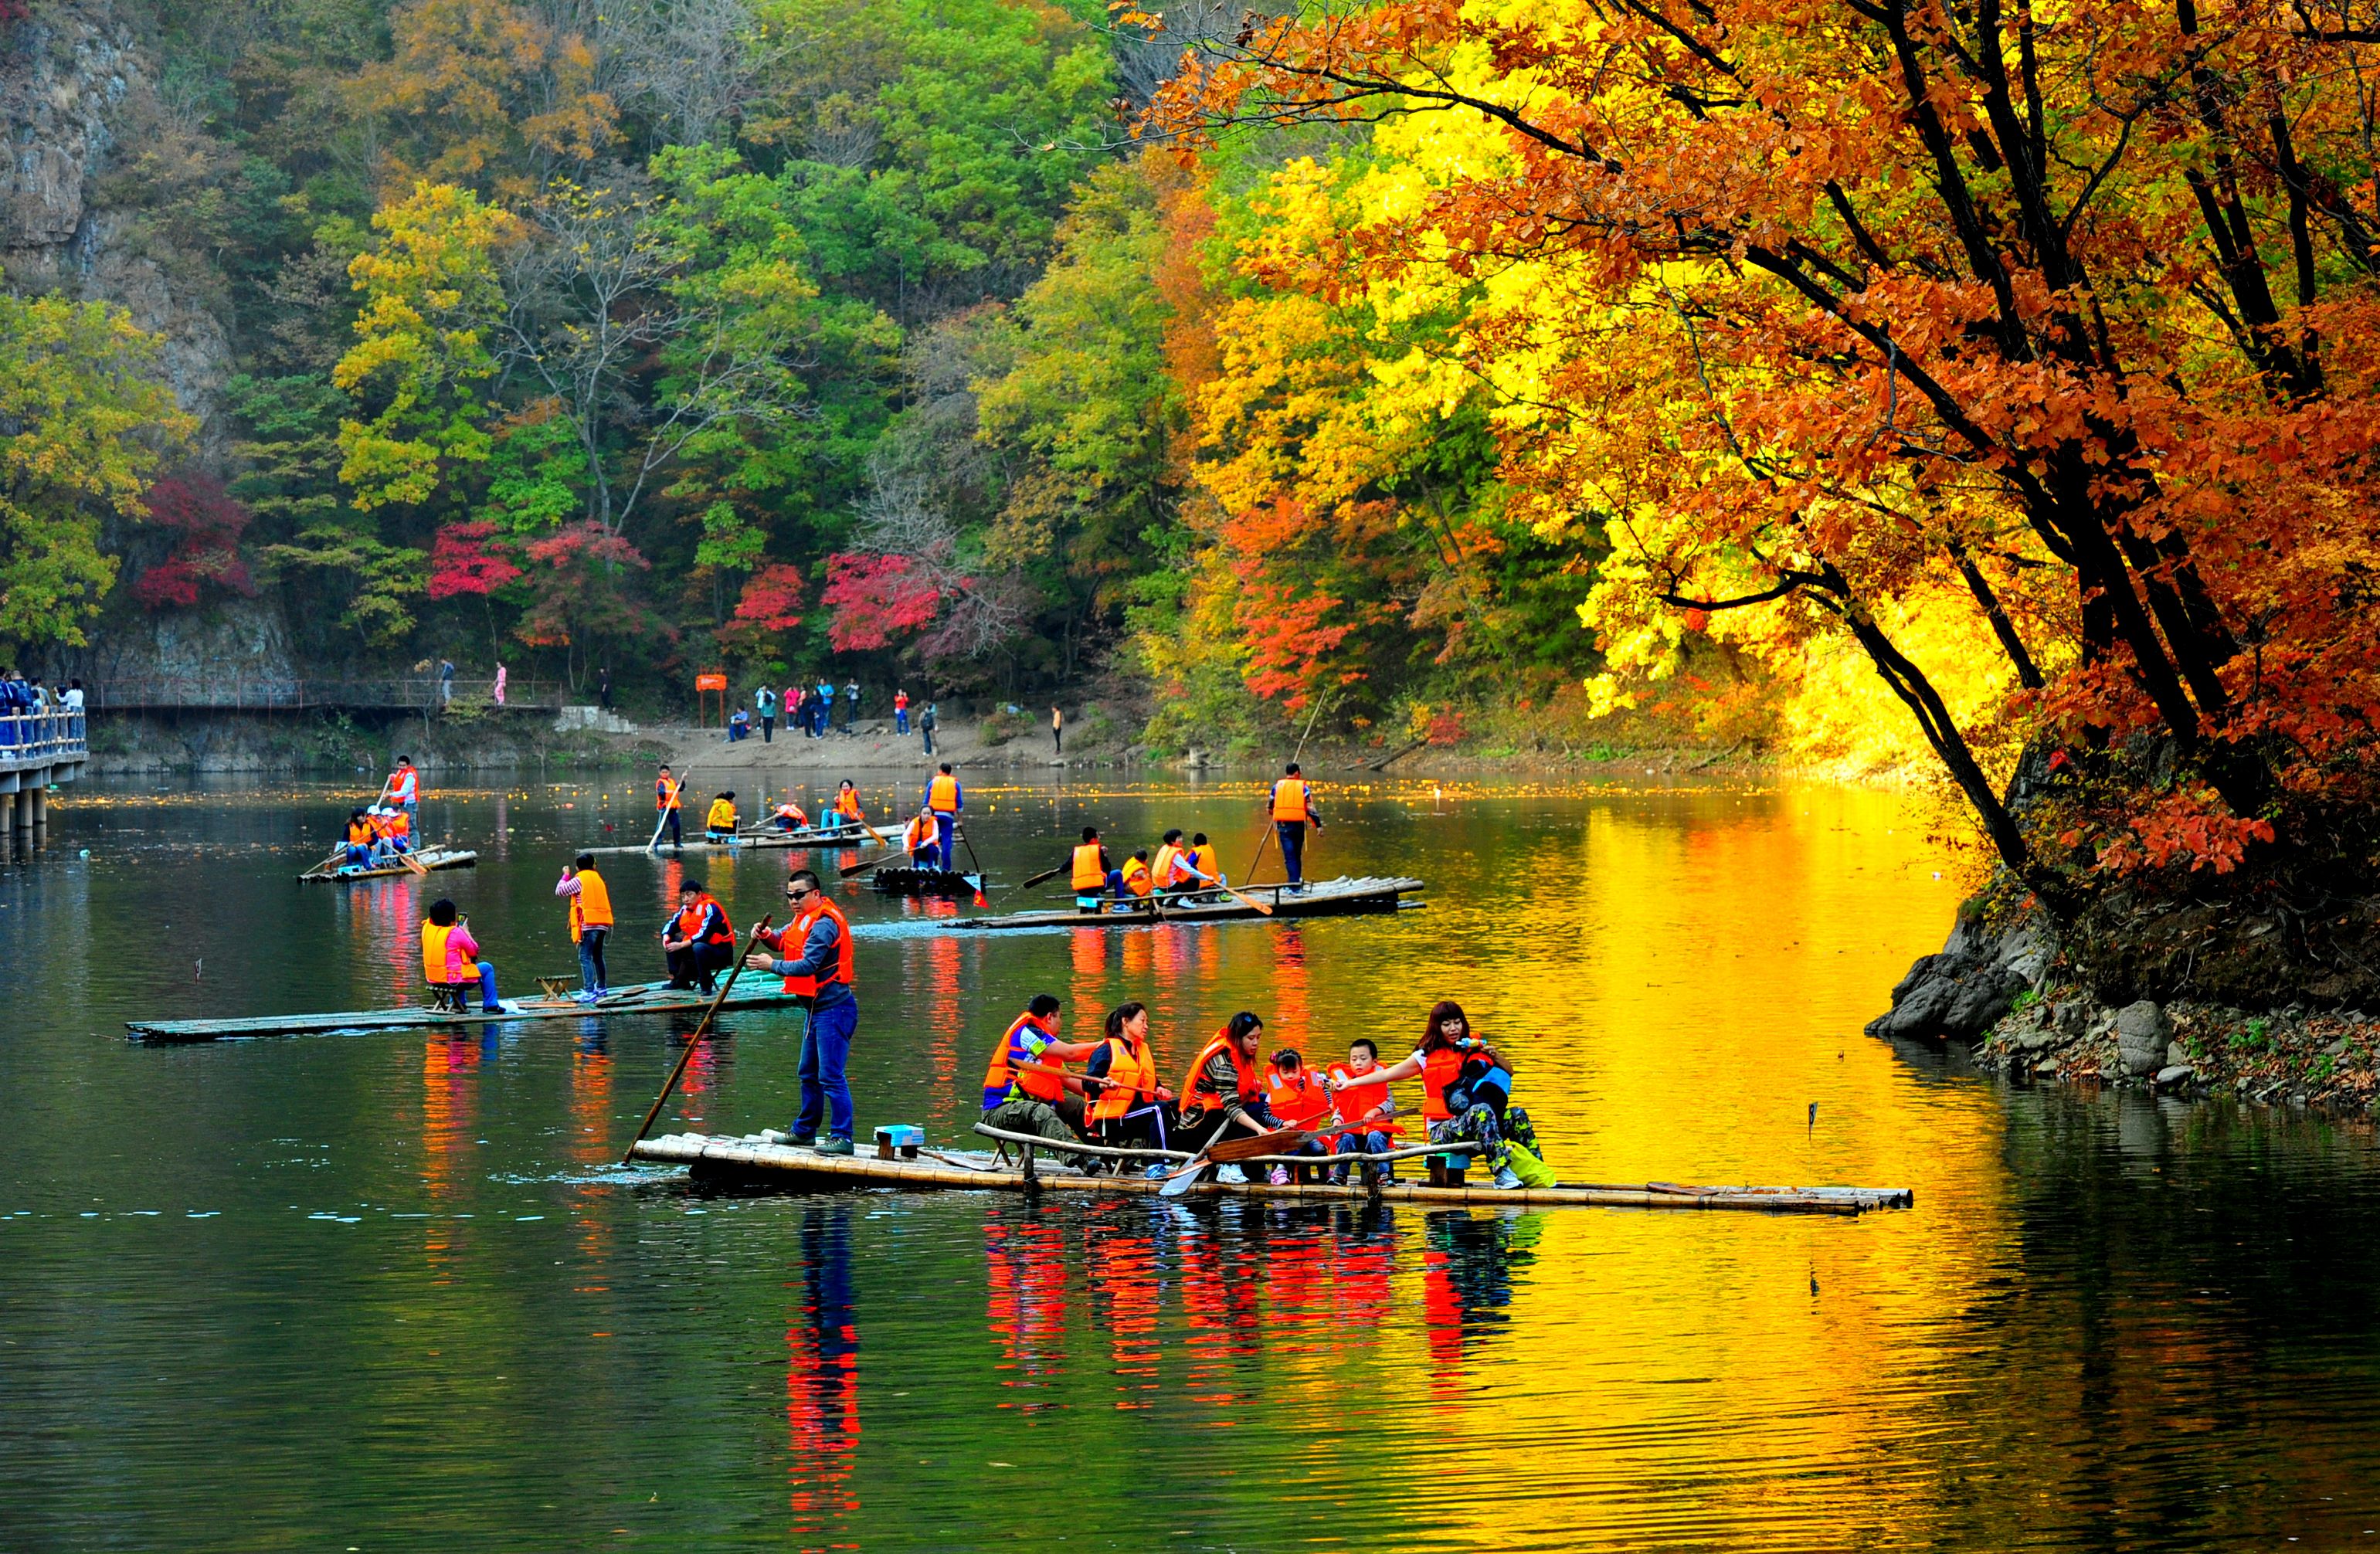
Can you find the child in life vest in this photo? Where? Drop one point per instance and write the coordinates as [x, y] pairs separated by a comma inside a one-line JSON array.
[[1369, 1110]]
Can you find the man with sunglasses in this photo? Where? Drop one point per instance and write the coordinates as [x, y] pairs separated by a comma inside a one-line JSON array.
[[821, 978]]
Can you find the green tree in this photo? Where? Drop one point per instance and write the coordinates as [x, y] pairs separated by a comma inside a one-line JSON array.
[[83, 421], [431, 300]]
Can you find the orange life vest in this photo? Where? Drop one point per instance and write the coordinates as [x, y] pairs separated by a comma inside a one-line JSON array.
[[433, 953], [1009, 1065], [943, 794], [846, 804], [921, 830], [1166, 867], [794, 937], [1354, 1105], [665, 794], [1439, 1069], [1136, 876], [1204, 860], [1248, 1086], [1133, 1076], [1090, 874], [402, 782], [1302, 1104], [400, 827], [1288, 802], [360, 834], [688, 918], [592, 907], [792, 811]]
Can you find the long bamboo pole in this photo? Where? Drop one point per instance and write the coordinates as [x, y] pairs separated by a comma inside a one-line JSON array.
[[726, 985]]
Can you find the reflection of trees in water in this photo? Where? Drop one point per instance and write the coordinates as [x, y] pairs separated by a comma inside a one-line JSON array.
[[822, 1383], [1025, 1248], [1469, 1263]]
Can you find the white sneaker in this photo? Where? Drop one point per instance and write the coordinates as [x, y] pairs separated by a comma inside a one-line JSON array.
[[1232, 1174], [1506, 1180]]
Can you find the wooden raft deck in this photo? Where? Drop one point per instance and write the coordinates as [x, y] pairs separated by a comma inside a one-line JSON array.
[[645, 998], [1327, 898], [428, 858], [762, 842], [752, 1156]]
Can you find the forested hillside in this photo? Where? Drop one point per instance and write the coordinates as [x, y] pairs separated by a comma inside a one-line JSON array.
[[779, 333], [1864, 379]]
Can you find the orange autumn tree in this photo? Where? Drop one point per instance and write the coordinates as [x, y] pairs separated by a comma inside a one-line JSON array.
[[1849, 303]]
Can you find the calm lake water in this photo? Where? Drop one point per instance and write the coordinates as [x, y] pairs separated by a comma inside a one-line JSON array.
[[389, 1291]]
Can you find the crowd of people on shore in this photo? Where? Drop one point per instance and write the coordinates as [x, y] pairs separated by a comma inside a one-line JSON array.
[[811, 708]]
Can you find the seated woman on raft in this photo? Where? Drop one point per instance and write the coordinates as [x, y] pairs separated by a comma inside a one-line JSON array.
[[1224, 1095], [1467, 1088]]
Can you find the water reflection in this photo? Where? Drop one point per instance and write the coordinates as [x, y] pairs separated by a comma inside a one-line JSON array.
[[2109, 1322], [822, 1388]]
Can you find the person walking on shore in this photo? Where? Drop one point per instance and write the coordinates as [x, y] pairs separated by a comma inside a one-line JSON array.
[[825, 707], [900, 712], [926, 727], [1057, 732], [820, 976], [851, 707], [764, 701]]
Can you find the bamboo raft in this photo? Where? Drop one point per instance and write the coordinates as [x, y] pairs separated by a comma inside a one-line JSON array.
[[645, 998], [428, 858], [816, 836], [893, 881], [754, 1156], [1327, 898]]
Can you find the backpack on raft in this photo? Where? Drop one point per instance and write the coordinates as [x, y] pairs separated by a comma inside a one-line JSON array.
[[1480, 1083], [1528, 1165]]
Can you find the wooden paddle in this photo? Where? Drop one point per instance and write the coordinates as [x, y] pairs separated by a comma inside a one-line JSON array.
[[339, 853], [1045, 874], [726, 985], [866, 864], [1236, 895], [1282, 1141]]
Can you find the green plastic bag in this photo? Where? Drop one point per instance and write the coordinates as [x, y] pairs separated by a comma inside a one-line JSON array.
[[1524, 1163]]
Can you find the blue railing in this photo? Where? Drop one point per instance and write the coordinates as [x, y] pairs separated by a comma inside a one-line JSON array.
[[40, 738]]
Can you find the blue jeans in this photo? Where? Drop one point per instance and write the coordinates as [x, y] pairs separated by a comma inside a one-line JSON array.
[[487, 985], [1292, 849], [942, 827], [826, 1046], [591, 972], [358, 853], [1373, 1142], [901, 719]]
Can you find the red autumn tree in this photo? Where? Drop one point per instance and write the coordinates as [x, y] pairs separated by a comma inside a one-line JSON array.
[[875, 598], [1847, 301], [768, 606], [206, 525], [469, 559]]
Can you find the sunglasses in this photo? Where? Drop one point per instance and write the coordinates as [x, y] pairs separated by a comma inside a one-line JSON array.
[[795, 892]]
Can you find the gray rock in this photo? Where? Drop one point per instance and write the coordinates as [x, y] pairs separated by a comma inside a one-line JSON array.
[[2174, 1073], [2174, 1053], [2336, 1049], [2142, 1033]]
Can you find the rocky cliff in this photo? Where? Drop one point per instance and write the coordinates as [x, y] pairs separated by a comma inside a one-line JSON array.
[[73, 78]]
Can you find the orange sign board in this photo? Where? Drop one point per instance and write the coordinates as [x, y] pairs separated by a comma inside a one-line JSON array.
[[711, 682]]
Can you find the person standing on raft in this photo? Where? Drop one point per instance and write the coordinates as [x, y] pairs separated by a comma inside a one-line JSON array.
[[821, 978], [666, 804], [590, 923], [402, 788], [1224, 1091], [1291, 807], [699, 940], [945, 800]]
